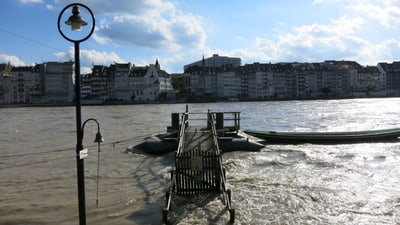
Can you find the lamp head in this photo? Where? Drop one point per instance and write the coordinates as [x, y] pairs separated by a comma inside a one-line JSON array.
[[76, 21], [98, 138]]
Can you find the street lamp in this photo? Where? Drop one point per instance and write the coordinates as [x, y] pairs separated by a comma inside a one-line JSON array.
[[98, 139], [76, 22]]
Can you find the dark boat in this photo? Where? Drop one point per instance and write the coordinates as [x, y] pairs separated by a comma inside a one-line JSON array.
[[163, 146], [327, 137], [229, 137]]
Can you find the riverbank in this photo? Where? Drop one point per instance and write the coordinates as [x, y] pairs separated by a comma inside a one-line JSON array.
[[182, 101]]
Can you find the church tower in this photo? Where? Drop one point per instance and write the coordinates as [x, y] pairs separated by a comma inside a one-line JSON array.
[[157, 65]]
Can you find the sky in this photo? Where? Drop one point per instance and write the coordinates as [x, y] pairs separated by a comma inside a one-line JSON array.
[[179, 32]]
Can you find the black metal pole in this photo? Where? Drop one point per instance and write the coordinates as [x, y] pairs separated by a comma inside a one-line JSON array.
[[79, 136], [79, 129]]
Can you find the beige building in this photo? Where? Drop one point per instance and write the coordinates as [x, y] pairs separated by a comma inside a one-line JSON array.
[[20, 85]]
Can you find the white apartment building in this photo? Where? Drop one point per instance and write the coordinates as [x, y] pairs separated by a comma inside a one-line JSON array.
[[146, 83], [228, 84], [216, 61], [58, 82], [138, 83]]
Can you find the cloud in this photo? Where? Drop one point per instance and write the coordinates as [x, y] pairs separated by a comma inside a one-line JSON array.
[[312, 42], [125, 7], [31, 1], [371, 54], [154, 24], [316, 2], [346, 36], [335, 36], [386, 12], [137, 31], [90, 57], [351, 33], [13, 60], [338, 39]]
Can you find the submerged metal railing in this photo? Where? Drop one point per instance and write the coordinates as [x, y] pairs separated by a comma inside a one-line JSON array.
[[199, 170], [225, 122], [183, 126], [211, 122], [226, 192]]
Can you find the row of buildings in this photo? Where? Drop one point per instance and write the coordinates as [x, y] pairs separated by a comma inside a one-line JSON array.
[[53, 83], [258, 81], [125, 82], [209, 79]]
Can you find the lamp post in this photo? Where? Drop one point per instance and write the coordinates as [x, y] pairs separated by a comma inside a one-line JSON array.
[[98, 139], [76, 22]]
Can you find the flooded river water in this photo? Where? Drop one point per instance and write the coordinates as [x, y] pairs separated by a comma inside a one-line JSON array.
[[281, 184]]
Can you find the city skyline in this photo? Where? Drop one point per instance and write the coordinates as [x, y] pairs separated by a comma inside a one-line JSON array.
[[179, 32]]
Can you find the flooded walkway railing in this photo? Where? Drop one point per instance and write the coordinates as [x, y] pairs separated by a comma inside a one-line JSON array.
[[183, 126], [198, 162], [225, 122]]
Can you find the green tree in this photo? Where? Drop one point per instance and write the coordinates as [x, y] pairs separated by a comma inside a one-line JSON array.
[[326, 91], [177, 82]]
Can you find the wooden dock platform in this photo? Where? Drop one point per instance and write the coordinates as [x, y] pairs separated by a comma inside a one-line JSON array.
[[198, 138]]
